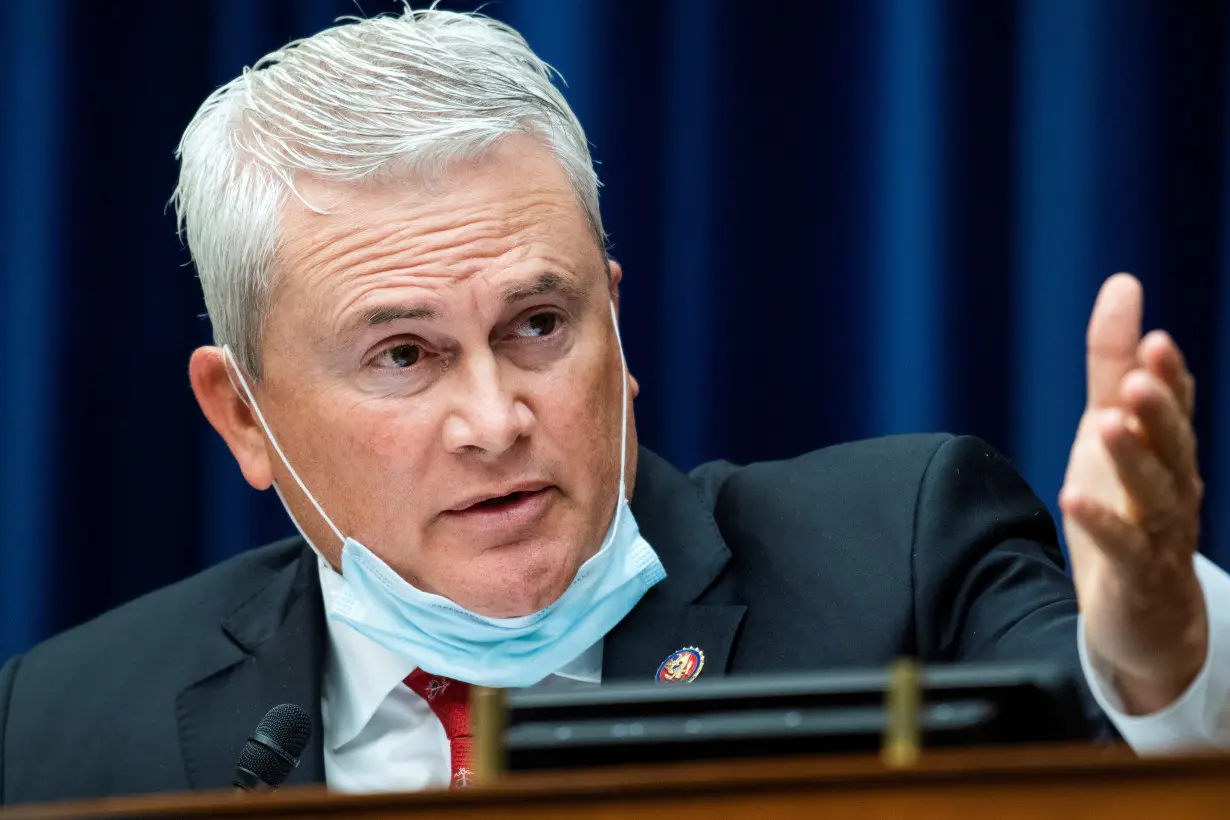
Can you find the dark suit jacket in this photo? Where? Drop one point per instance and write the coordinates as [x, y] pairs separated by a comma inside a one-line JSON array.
[[930, 546]]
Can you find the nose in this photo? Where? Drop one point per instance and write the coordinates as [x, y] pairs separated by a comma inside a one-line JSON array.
[[487, 418]]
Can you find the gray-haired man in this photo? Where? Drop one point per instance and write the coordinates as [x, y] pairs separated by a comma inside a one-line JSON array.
[[396, 227]]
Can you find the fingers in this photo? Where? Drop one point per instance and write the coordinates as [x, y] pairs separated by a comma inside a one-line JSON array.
[[1164, 424], [1119, 539], [1162, 357], [1150, 486], [1140, 401], [1113, 338]]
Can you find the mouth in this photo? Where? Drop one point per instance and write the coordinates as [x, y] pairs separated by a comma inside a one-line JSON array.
[[504, 517], [502, 501]]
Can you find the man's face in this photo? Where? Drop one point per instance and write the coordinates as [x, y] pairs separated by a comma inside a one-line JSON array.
[[441, 369]]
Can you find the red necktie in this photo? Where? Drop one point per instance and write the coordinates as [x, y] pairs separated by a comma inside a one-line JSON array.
[[450, 700]]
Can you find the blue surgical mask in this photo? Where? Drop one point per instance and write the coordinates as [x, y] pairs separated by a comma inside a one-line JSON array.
[[443, 638]]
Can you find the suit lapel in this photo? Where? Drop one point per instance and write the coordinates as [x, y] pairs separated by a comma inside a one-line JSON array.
[[277, 656], [653, 631], [677, 521]]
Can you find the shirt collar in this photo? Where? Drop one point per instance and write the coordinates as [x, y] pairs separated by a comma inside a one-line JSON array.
[[360, 673]]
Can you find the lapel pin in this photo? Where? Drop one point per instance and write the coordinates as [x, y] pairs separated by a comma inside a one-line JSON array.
[[682, 666]]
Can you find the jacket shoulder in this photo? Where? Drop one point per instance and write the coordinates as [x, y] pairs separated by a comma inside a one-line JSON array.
[[139, 647], [870, 468], [166, 617], [113, 681], [872, 492], [7, 673], [826, 540]]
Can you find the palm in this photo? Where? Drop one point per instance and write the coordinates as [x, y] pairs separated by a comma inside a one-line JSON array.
[[1093, 571], [1131, 502]]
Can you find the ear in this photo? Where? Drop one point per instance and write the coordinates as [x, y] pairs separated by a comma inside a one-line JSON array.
[[617, 275], [228, 413]]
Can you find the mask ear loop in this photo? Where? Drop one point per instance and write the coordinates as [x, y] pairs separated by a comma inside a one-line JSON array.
[[623, 408], [250, 401]]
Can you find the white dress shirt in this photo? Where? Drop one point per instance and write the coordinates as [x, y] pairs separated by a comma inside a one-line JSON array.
[[379, 736]]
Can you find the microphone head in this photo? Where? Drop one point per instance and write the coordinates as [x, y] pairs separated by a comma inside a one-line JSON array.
[[273, 749]]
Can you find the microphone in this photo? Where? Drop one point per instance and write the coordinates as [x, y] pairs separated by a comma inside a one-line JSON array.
[[273, 749]]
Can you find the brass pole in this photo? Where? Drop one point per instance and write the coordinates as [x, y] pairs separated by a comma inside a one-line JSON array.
[[902, 735], [489, 713]]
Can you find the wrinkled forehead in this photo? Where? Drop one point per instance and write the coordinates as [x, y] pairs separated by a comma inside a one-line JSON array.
[[508, 213]]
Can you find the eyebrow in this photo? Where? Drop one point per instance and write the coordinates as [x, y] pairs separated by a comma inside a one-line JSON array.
[[385, 315], [543, 284]]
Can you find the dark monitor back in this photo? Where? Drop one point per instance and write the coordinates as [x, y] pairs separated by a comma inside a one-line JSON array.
[[798, 713]]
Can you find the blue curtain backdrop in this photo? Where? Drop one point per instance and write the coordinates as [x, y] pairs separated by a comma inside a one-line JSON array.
[[838, 219]]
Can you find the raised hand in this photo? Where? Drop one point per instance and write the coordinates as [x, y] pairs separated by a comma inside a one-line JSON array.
[[1131, 506]]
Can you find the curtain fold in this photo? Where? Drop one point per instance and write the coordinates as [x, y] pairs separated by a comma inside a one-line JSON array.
[[31, 143]]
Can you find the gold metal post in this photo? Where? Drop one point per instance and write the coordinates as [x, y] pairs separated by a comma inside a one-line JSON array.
[[902, 734], [489, 713]]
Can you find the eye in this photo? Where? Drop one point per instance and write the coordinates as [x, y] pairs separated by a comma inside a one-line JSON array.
[[400, 356], [540, 324]]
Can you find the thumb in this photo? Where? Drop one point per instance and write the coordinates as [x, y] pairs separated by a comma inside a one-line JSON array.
[[1112, 338]]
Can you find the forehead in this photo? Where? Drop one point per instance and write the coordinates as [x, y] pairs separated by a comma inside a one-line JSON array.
[[486, 218]]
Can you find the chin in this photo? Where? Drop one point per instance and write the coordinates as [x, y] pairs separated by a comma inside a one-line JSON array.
[[522, 582]]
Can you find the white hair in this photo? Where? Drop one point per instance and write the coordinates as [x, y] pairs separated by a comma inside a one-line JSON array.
[[360, 101]]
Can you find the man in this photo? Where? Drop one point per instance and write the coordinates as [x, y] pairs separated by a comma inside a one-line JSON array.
[[396, 228]]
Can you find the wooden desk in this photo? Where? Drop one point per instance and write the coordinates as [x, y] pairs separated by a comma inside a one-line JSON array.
[[1004, 784]]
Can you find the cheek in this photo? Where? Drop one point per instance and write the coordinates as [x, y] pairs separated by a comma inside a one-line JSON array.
[[582, 416], [368, 455], [379, 436], [388, 456]]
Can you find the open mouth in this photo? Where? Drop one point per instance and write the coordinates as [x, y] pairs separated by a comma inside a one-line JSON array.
[[506, 518], [502, 501]]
